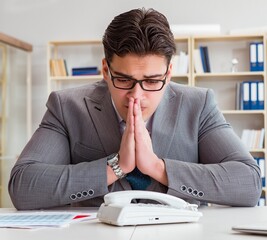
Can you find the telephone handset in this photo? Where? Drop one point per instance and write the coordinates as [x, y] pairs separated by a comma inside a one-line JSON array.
[[117, 209]]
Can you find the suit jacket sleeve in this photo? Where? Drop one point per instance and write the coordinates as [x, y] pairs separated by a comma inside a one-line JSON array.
[[44, 175], [225, 173]]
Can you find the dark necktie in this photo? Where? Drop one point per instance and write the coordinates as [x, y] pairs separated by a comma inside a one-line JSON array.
[[137, 179]]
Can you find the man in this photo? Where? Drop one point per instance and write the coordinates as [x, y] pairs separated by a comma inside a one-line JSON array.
[[175, 139]]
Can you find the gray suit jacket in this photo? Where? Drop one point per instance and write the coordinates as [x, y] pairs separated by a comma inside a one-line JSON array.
[[65, 160]]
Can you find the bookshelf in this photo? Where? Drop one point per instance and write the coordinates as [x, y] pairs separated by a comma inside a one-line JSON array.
[[183, 45], [222, 49], [223, 81], [16, 105], [76, 54]]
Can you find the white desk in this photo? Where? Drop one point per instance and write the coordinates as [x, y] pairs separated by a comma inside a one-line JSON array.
[[215, 224]]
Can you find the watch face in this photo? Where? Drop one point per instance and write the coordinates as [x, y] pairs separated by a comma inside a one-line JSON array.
[[113, 155]]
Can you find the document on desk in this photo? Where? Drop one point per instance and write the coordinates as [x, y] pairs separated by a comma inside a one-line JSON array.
[[33, 220]]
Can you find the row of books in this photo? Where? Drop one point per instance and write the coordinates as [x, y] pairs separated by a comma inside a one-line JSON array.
[[202, 62], [261, 163], [180, 63], [262, 200], [201, 59], [253, 139], [256, 56], [250, 95], [58, 67]]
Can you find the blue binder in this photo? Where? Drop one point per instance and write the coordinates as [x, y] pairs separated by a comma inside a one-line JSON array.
[[260, 95], [253, 57], [260, 56], [253, 95], [246, 95], [203, 59]]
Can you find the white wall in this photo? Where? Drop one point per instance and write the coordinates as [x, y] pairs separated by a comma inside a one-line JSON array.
[[38, 21]]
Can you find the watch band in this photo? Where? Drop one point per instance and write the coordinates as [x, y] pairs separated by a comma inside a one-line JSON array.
[[113, 162]]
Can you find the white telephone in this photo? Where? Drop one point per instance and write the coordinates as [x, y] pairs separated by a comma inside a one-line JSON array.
[[118, 209]]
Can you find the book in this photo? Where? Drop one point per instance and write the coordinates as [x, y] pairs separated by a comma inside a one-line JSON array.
[[204, 53], [85, 71], [197, 61], [58, 67]]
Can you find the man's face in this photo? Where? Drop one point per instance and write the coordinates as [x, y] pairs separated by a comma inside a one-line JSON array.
[[139, 68]]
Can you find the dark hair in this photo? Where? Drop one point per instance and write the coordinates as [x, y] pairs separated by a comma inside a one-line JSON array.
[[140, 32]]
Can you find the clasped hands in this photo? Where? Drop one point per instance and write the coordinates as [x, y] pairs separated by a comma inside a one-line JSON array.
[[136, 147]]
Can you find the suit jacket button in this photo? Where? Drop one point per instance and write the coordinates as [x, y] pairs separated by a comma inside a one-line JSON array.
[[195, 192], [85, 193], [183, 188], [91, 192], [73, 197], [79, 194], [189, 190], [200, 194]]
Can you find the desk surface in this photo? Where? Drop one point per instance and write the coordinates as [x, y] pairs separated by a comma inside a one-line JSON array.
[[216, 223]]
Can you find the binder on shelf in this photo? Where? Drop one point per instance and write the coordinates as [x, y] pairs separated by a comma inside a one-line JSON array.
[[239, 96], [253, 95], [261, 164], [85, 71], [260, 95], [246, 95], [197, 61], [253, 57], [203, 59], [260, 56], [206, 54]]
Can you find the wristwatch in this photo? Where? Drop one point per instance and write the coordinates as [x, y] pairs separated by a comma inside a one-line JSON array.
[[113, 162]]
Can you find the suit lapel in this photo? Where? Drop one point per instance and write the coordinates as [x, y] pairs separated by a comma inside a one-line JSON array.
[[166, 119], [104, 118]]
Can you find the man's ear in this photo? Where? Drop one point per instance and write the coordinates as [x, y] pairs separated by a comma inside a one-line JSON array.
[[169, 74], [105, 69]]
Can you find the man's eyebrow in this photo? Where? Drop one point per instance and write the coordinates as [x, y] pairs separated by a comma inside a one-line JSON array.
[[145, 76], [122, 74]]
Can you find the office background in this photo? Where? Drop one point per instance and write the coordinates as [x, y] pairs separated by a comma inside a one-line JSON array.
[[39, 22]]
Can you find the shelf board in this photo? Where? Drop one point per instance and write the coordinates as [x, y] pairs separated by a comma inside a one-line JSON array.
[[257, 150], [233, 37], [243, 111], [77, 78], [75, 42], [228, 74], [186, 75]]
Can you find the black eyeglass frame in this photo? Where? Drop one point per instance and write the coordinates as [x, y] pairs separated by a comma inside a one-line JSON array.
[[135, 81]]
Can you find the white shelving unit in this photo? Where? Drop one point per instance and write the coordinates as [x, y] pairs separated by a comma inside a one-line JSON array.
[[16, 105]]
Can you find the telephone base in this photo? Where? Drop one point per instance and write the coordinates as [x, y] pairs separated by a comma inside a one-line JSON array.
[[142, 214]]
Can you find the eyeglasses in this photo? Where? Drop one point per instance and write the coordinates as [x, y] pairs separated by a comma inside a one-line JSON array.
[[127, 83]]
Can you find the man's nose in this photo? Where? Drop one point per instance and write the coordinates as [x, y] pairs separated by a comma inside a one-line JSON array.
[[137, 91]]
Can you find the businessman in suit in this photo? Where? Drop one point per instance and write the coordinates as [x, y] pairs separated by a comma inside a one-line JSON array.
[[135, 129]]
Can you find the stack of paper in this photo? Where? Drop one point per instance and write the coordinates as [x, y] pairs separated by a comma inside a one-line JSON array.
[[41, 219]]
